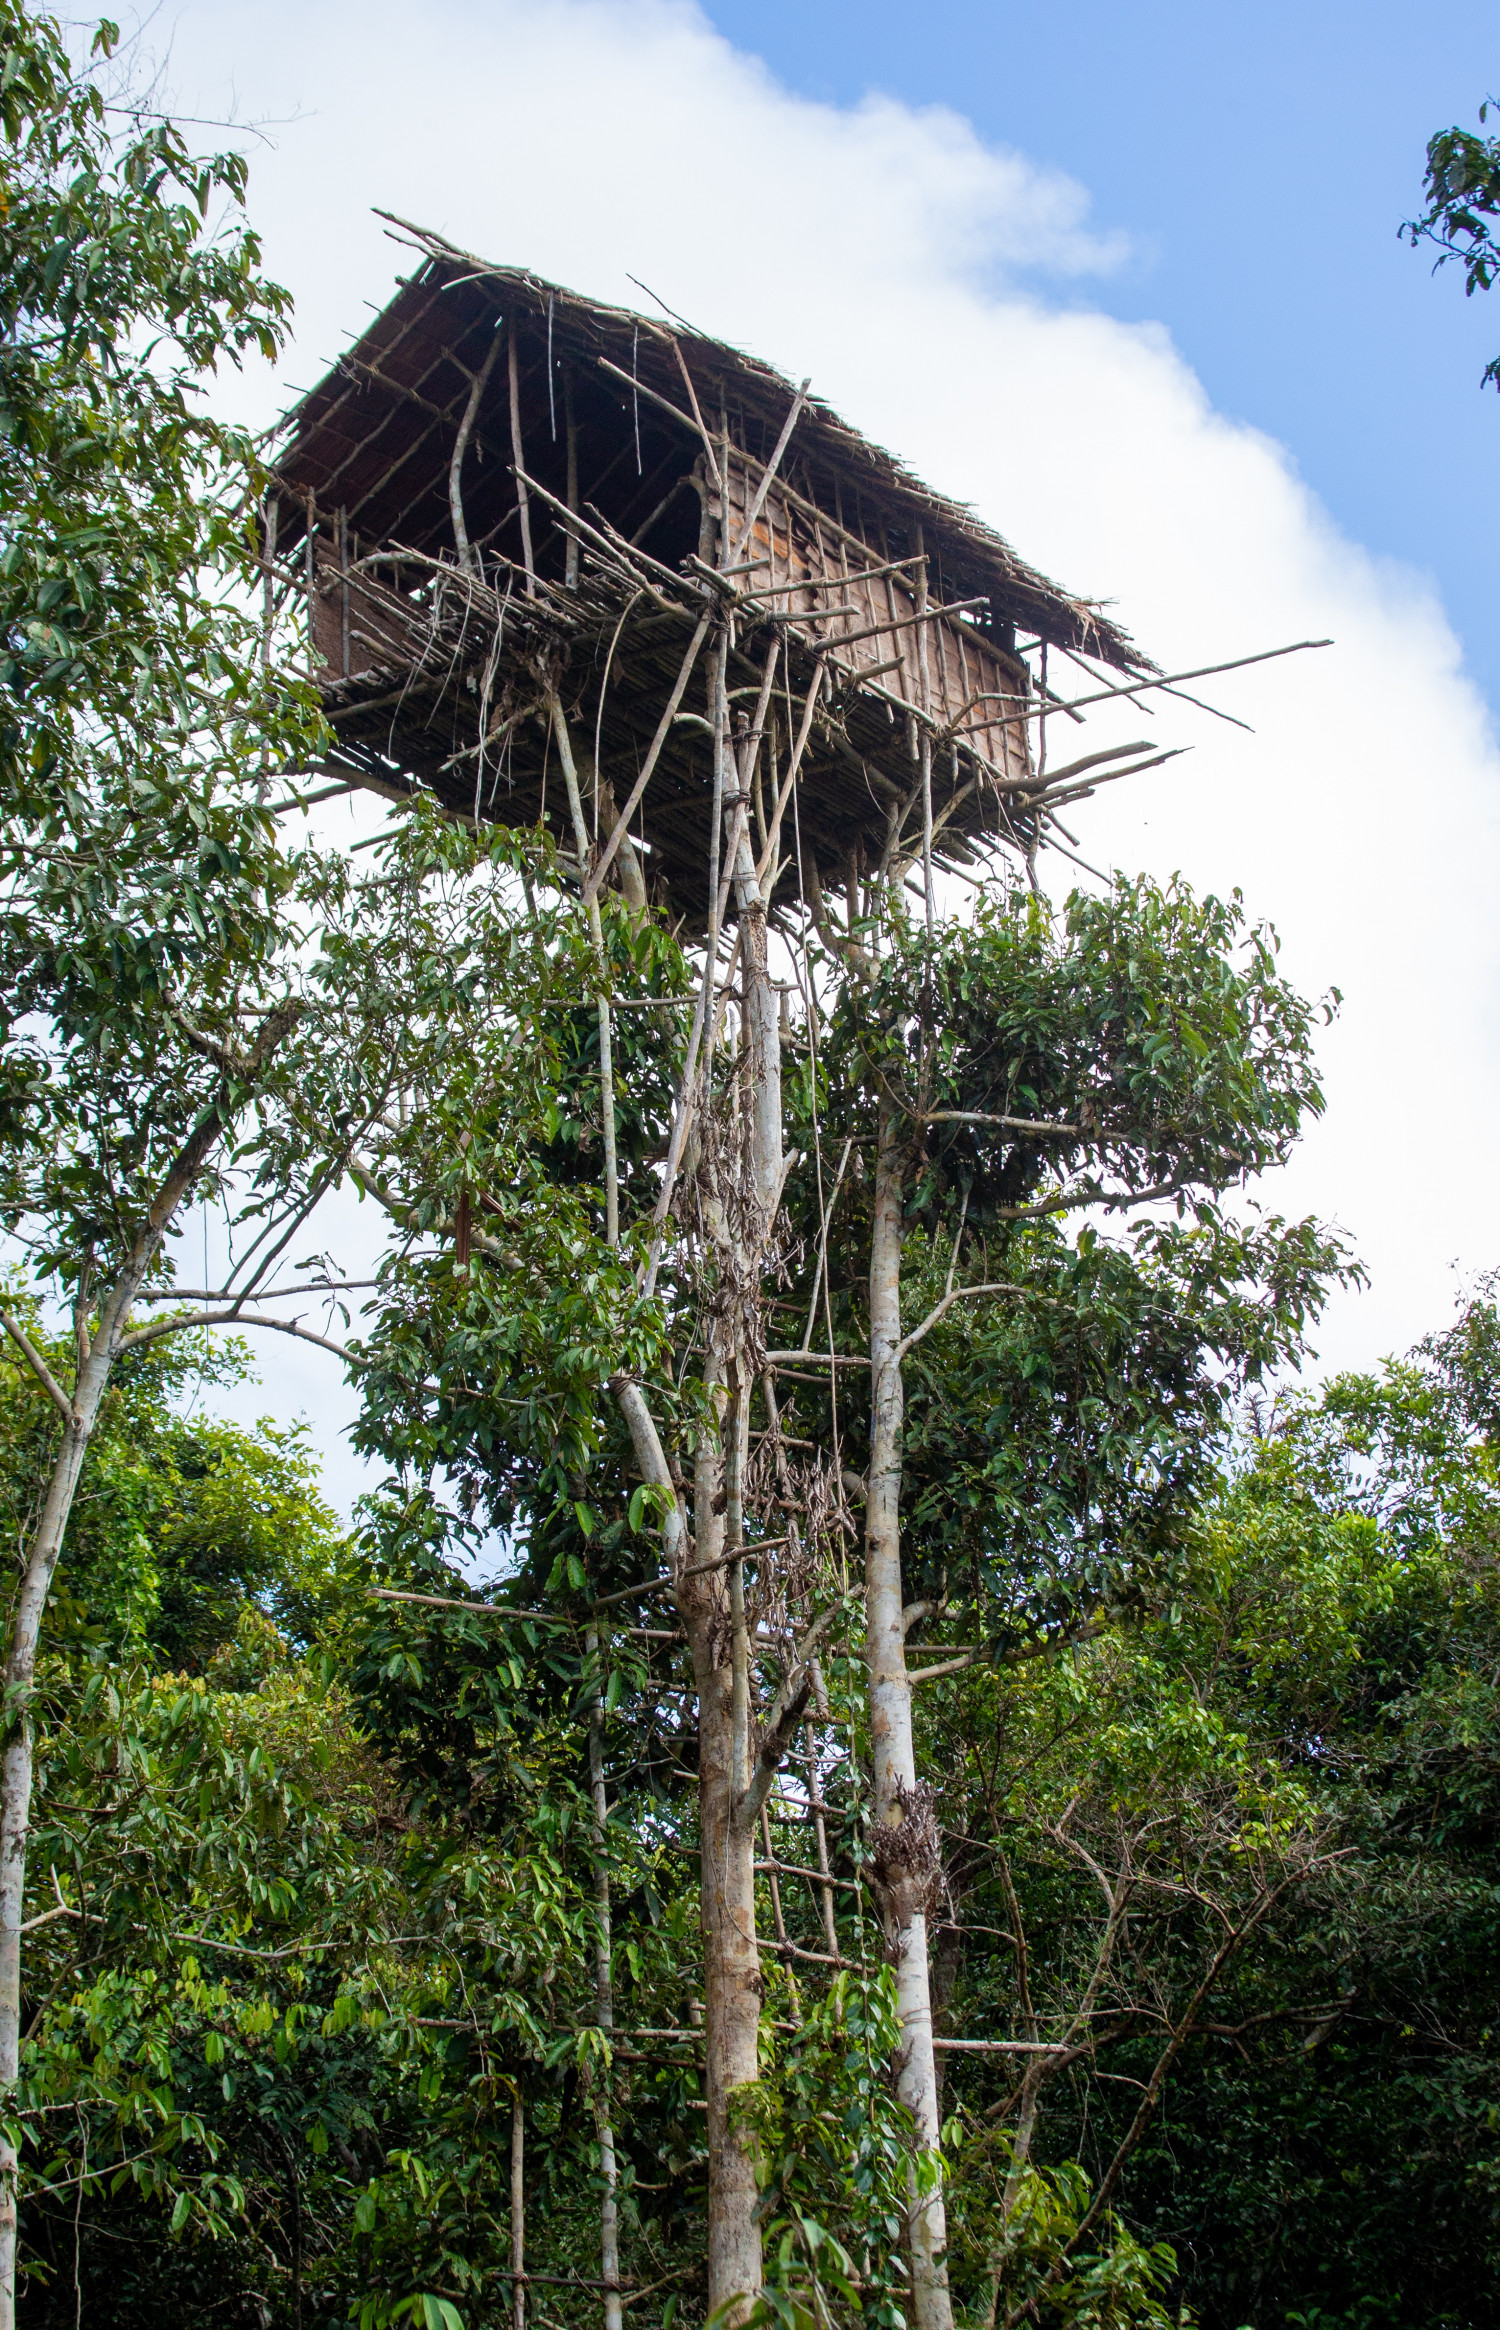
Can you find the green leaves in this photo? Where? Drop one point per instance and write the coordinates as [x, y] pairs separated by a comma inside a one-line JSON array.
[[1462, 185]]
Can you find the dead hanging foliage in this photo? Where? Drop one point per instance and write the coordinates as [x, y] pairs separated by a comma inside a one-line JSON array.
[[722, 1212], [907, 1859]]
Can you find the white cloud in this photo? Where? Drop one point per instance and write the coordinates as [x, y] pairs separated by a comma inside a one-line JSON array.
[[906, 266]]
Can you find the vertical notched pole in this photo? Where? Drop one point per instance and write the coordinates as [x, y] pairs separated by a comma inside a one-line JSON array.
[[717, 722], [596, 932], [344, 589], [604, 2007], [907, 1888], [270, 526], [518, 455], [270, 516], [570, 569], [736, 1439], [517, 2212], [820, 1831], [924, 697], [310, 576]]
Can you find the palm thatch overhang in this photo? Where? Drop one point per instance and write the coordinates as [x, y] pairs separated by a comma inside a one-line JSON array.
[[504, 489]]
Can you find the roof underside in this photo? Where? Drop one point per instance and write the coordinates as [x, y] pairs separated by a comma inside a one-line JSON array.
[[490, 523], [375, 436]]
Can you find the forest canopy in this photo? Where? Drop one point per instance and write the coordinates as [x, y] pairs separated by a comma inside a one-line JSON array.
[[334, 1877]]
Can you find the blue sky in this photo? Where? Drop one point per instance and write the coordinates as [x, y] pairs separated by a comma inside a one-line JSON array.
[[1259, 161]]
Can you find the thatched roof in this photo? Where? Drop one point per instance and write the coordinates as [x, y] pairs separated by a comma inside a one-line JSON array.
[[478, 538], [374, 437]]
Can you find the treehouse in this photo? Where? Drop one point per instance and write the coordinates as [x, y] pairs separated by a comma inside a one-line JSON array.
[[505, 493]]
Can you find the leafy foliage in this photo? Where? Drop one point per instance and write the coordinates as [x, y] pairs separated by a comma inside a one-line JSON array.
[[185, 1524], [1317, 1703], [1462, 185]]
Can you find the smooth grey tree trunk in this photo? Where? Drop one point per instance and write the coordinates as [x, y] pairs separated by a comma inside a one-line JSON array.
[[42, 1557], [908, 1863], [604, 2001]]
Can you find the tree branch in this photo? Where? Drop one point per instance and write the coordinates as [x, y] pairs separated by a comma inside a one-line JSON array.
[[785, 1713], [953, 1295], [1175, 2044], [38, 1366], [1010, 1124], [234, 1317]]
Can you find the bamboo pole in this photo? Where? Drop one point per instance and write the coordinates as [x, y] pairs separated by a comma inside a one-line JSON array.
[[466, 558], [570, 567], [596, 933], [343, 541], [815, 1805], [519, 457], [892, 1749], [518, 2211], [609, 2225]]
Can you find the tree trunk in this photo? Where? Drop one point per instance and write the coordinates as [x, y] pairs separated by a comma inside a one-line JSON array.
[[731, 1952], [15, 1809], [604, 2001], [733, 1987], [16, 1761], [517, 2212], [711, 1604], [908, 1864], [96, 1365], [731, 1957]]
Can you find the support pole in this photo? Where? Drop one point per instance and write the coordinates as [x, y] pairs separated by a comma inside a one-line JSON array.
[[461, 544], [518, 454], [913, 1868], [570, 567], [604, 2007], [596, 932], [517, 2212]]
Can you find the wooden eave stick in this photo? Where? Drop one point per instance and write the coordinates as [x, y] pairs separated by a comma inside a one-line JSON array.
[[761, 491], [900, 623], [1137, 688], [654, 396], [811, 509], [708, 443], [1084, 792]]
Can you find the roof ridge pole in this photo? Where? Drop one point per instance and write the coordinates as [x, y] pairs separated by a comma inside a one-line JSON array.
[[518, 455]]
